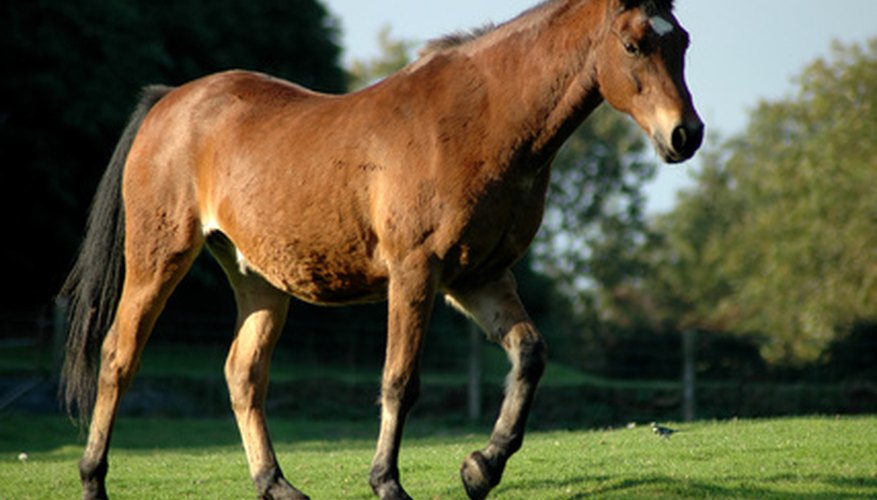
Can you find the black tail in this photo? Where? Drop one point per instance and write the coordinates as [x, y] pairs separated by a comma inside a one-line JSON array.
[[94, 284]]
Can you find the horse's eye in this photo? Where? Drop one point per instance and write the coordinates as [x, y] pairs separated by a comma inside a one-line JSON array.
[[632, 48]]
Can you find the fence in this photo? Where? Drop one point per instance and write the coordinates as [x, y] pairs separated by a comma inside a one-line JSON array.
[[467, 384]]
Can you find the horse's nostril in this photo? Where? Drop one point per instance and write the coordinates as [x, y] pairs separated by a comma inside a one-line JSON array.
[[679, 138], [686, 140]]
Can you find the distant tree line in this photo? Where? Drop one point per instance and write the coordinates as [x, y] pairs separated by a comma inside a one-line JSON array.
[[776, 243]]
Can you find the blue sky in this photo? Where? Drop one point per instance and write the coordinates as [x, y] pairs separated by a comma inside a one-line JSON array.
[[742, 51]]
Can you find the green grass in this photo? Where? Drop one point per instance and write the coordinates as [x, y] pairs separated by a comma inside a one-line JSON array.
[[153, 458]]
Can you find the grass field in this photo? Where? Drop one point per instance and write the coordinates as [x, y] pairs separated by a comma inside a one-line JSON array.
[[155, 458]]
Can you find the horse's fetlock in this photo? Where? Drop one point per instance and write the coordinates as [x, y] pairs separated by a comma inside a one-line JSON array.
[[93, 469], [384, 482], [381, 474], [92, 474]]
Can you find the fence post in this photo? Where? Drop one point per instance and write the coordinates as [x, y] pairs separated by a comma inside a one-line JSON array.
[[476, 371], [689, 339]]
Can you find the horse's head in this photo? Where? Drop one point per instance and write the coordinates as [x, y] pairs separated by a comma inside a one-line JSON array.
[[640, 71]]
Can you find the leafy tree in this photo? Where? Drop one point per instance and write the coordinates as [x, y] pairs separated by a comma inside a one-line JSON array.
[[687, 250], [779, 238], [593, 226], [594, 213]]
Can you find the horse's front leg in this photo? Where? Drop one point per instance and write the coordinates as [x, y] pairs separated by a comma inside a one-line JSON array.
[[411, 297], [499, 312]]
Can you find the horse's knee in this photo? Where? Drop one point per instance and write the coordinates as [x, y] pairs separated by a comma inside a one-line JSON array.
[[243, 385], [534, 359], [529, 356], [401, 391], [120, 361]]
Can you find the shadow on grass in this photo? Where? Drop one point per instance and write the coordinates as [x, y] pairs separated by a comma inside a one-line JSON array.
[[20, 432], [584, 486]]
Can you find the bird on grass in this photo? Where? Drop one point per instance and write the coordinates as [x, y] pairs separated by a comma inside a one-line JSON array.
[[660, 430]]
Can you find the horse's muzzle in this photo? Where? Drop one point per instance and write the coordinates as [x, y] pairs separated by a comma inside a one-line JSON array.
[[683, 142]]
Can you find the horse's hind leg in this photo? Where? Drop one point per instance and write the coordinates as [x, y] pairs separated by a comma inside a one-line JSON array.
[[261, 314], [156, 259], [498, 310]]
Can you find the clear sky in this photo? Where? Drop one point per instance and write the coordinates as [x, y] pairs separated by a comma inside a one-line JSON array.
[[742, 50]]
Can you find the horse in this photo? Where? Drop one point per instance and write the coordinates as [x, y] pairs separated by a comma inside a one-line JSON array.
[[431, 182]]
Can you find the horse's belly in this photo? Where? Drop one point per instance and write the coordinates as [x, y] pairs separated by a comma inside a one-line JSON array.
[[332, 274], [317, 281]]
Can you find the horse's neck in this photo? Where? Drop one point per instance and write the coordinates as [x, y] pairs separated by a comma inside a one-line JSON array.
[[544, 73]]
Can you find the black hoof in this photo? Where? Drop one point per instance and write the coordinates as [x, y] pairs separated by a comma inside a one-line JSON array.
[[479, 475], [284, 492], [273, 486], [385, 483], [94, 490], [391, 491]]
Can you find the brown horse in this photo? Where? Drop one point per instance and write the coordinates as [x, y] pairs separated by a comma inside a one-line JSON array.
[[430, 182]]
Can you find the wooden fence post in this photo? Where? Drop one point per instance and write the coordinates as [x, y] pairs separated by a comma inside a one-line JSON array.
[[689, 339]]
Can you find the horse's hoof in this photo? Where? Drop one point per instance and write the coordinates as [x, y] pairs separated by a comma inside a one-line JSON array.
[[94, 492], [391, 491], [285, 494], [477, 477], [278, 488]]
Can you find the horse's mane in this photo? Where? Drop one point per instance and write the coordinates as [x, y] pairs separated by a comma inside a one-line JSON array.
[[458, 38], [651, 6]]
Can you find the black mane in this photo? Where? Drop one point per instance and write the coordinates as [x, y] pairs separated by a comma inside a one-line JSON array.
[[458, 38], [649, 5]]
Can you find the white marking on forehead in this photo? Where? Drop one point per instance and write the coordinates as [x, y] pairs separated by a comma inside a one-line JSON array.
[[661, 25], [209, 225]]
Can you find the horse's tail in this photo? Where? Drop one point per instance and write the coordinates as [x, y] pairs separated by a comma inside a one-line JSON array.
[[93, 286]]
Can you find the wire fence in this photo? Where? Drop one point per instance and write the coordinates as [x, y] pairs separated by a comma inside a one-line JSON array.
[[649, 378]]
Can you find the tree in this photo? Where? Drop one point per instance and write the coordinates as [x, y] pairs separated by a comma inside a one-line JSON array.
[[779, 237], [685, 255], [594, 212]]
